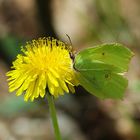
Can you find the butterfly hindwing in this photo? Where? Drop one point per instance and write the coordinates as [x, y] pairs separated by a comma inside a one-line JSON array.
[[103, 84]]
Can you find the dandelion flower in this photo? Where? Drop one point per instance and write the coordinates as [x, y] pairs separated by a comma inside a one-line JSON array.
[[44, 64]]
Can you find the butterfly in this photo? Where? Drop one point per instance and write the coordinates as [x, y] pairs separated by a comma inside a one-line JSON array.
[[100, 70]]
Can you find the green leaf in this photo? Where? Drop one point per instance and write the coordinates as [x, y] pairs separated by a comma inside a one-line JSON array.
[[115, 55], [103, 84]]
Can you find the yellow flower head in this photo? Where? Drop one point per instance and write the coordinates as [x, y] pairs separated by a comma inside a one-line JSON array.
[[45, 63]]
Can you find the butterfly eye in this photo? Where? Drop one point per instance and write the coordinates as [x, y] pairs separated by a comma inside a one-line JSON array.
[[72, 56]]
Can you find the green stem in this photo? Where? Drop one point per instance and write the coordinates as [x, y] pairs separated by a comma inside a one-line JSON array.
[[53, 116]]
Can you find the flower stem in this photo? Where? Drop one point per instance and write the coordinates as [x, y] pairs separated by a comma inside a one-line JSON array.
[[53, 116]]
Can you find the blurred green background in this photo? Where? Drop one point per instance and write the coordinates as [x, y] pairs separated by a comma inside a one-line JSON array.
[[87, 22]]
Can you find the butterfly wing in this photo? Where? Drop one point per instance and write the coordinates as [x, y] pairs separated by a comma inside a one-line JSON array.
[[103, 84], [99, 68], [115, 55]]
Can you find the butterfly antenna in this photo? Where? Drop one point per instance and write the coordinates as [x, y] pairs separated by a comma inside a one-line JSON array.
[[69, 39], [71, 49]]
